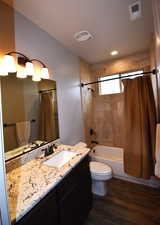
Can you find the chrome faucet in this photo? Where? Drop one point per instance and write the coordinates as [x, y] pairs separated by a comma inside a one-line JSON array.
[[49, 150]]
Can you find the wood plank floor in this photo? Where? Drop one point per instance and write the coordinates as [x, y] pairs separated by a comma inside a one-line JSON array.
[[126, 204]]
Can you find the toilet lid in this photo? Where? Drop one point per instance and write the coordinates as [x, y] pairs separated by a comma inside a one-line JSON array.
[[100, 168]]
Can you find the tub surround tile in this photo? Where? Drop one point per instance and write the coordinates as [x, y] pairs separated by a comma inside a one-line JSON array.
[[30, 182]]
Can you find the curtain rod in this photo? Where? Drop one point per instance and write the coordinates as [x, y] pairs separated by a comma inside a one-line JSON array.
[[154, 72], [43, 91]]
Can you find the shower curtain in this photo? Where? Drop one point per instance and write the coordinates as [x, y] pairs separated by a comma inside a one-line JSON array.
[[139, 127], [47, 121]]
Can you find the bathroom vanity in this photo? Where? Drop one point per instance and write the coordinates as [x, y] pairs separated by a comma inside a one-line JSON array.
[[63, 198]]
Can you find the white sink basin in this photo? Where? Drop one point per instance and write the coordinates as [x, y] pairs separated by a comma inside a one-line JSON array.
[[60, 158]]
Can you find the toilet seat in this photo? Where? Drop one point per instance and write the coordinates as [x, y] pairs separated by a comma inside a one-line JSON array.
[[100, 168], [100, 171]]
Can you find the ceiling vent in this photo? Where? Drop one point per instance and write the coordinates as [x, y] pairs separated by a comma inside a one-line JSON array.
[[83, 36], [135, 10]]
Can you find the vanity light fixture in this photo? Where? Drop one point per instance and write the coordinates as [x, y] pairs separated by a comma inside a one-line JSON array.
[[29, 69], [36, 77], [115, 52], [44, 74], [21, 72], [3, 70], [9, 63], [23, 67]]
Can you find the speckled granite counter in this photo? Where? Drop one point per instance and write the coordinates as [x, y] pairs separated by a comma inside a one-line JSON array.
[[29, 183]]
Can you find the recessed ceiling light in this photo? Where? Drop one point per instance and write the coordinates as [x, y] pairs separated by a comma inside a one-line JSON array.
[[115, 52]]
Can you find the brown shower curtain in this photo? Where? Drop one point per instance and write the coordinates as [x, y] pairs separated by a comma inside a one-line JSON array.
[[47, 122], [139, 127]]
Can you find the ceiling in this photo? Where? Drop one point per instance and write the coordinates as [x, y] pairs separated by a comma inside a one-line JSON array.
[[107, 20]]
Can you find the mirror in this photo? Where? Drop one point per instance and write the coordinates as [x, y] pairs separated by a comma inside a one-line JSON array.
[[30, 116]]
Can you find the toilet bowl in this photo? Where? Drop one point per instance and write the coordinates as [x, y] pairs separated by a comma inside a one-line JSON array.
[[100, 173]]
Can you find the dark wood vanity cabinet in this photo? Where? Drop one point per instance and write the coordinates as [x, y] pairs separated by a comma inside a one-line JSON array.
[[67, 204], [44, 213], [74, 195]]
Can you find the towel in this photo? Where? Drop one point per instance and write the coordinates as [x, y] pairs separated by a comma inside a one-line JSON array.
[[157, 153], [81, 145], [23, 132]]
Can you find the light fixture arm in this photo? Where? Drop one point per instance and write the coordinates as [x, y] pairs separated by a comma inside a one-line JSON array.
[[19, 53], [26, 58], [37, 60]]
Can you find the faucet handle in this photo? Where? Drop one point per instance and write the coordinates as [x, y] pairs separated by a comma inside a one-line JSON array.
[[54, 146], [48, 151]]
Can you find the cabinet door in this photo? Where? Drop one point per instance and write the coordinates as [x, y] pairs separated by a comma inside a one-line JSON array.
[[84, 187], [70, 208], [74, 195], [44, 213], [83, 177]]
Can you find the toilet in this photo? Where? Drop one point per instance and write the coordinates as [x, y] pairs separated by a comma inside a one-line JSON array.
[[100, 173]]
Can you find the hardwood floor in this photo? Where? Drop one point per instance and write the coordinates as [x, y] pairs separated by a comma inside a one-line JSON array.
[[126, 204]]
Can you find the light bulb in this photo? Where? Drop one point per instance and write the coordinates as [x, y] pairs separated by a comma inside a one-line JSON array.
[[3, 70], [36, 77], [21, 72], [115, 52], [29, 69], [9, 64], [44, 73]]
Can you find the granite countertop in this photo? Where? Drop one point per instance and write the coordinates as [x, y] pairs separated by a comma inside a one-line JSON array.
[[29, 183]]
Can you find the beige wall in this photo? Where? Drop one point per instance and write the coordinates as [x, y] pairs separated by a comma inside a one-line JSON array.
[[87, 97], [108, 119], [129, 63], [7, 40], [108, 110]]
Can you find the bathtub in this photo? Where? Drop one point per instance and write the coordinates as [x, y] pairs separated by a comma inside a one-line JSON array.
[[113, 157]]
